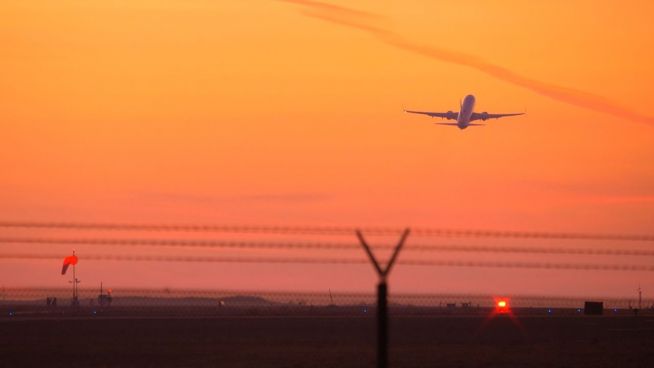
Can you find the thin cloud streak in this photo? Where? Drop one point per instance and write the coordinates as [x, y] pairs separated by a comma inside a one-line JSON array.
[[642, 199], [373, 24], [334, 9]]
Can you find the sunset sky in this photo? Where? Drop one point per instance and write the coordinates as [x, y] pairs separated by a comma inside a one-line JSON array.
[[291, 113]]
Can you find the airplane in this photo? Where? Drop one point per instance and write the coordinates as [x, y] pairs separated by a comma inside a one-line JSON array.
[[465, 115]]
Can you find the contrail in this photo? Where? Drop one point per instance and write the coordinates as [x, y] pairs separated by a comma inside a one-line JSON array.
[[374, 24]]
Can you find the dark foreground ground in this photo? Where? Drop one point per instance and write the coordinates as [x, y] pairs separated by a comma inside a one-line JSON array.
[[323, 341]]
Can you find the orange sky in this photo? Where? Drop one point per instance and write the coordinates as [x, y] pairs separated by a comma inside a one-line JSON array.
[[272, 112]]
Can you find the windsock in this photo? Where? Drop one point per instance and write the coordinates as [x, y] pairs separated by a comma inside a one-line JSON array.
[[70, 260]]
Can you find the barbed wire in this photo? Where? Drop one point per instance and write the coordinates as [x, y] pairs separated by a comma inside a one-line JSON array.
[[321, 246], [322, 230], [345, 261]]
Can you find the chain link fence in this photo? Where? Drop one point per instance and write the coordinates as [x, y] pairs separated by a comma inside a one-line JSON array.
[[58, 302]]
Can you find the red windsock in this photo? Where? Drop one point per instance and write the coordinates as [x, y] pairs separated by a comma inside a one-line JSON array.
[[70, 260]]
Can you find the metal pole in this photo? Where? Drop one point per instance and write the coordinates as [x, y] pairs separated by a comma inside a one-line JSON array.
[[382, 324], [74, 286], [75, 302], [382, 295]]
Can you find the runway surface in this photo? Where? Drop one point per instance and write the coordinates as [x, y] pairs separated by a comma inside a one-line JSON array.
[[327, 341]]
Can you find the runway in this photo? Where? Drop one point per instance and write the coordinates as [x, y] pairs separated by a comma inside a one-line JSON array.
[[328, 341]]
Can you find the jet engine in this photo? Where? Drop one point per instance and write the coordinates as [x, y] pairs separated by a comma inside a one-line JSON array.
[[483, 115], [451, 115]]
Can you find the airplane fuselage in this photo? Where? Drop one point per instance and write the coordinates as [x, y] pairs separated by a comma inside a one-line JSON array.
[[465, 113]]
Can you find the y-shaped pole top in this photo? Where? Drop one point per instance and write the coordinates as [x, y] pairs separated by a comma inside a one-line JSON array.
[[383, 271]]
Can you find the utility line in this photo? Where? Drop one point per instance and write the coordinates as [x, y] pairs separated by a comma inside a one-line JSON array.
[[321, 230], [122, 242], [350, 261]]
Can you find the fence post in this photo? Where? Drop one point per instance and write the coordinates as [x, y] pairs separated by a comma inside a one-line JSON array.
[[382, 296], [382, 324]]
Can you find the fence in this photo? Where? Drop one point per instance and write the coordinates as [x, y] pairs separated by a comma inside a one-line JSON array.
[[194, 303]]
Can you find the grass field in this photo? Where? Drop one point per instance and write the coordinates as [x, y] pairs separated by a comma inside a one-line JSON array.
[[327, 341]]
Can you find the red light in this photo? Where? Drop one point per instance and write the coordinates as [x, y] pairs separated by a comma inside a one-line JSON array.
[[502, 305], [502, 309]]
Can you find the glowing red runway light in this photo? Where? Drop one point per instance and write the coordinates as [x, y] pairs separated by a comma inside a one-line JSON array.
[[502, 305]]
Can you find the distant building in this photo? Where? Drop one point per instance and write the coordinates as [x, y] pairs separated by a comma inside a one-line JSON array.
[[593, 308]]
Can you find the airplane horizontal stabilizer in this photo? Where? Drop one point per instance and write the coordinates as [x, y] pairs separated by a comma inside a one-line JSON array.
[[455, 124]]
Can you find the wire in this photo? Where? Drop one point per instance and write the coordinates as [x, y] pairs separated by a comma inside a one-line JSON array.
[[322, 246], [187, 228], [350, 261], [322, 230]]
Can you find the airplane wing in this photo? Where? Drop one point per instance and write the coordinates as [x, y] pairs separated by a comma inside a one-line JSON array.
[[485, 115], [450, 115]]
